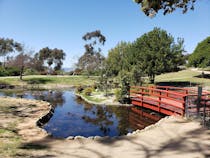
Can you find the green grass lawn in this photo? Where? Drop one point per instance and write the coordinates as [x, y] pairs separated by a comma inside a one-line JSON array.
[[183, 76], [49, 80]]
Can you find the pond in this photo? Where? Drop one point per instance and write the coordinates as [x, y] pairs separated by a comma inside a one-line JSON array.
[[73, 116]]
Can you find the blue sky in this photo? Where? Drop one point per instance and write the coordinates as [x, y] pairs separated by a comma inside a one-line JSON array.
[[62, 23]]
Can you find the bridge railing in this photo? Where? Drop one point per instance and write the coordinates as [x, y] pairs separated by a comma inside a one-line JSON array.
[[169, 99], [160, 99]]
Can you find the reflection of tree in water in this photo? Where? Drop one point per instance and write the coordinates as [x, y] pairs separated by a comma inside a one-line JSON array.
[[81, 102], [101, 117], [54, 97], [122, 113]]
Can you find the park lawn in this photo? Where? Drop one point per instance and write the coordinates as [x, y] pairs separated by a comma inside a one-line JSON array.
[[49, 80], [183, 76]]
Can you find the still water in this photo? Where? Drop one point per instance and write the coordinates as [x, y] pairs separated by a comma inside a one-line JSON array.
[[73, 116]]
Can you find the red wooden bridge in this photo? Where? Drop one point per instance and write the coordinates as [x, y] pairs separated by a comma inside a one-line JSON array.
[[171, 100]]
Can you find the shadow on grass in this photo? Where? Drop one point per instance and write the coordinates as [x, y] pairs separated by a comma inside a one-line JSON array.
[[33, 146], [206, 76], [38, 80], [177, 83]]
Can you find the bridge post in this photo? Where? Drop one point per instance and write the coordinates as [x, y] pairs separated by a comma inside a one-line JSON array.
[[204, 113], [167, 91], [186, 102], [159, 102], [199, 100]]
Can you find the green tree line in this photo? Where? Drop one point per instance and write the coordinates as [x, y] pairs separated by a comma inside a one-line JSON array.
[[46, 61]]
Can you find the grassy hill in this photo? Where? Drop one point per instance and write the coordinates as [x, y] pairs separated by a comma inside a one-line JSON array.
[[184, 76]]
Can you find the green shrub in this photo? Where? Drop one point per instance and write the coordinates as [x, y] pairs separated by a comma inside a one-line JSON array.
[[3, 72], [10, 71], [118, 95], [79, 89], [88, 91], [31, 72], [13, 71]]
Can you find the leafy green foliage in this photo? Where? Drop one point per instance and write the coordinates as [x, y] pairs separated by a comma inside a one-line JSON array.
[[119, 58], [10, 71], [3, 72], [151, 7], [158, 53], [122, 94], [30, 71], [201, 55], [79, 89], [153, 53], [117, 93], [87, 91]]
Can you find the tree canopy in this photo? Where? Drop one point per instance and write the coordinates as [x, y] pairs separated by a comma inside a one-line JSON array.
[[201, 55], [91, 61], [51, 56], [158, 52], [153, 53], [9, 45], [151, 7], [21, 61]]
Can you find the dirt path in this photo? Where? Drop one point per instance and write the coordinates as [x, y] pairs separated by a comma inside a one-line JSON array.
[[170, 137]]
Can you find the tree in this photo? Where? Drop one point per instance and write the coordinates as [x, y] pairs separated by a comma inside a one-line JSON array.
[[21, 62], [201, 55], [151, 7], [91, 61], [119, 58], [9, 45], [58, 57], [52, 57], [37, 64], [158, 53]]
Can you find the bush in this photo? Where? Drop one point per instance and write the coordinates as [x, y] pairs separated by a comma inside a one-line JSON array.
[[79, 89], [31, 72], [118, 95], [12, 71], [88, 91], [9, 71], [3, 72]]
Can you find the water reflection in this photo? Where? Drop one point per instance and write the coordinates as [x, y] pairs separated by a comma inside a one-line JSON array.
[[73, 116]]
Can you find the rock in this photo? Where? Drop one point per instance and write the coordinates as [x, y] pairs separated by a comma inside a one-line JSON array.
[[91, 137], [97, 138], [79, 137], [70, 138]]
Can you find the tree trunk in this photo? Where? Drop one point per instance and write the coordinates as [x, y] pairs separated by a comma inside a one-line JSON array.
[[21, 73], [152, 79]]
